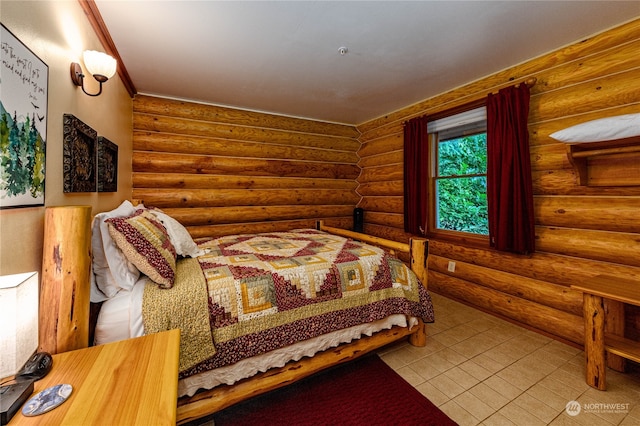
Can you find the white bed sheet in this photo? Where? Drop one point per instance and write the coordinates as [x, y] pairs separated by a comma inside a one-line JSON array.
[[121, 318]]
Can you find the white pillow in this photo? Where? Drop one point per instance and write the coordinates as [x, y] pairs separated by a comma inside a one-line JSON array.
[[111, 269], [178, 235], [602, 129]]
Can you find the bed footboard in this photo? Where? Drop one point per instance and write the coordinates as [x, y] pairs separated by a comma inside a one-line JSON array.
[[211, 401]]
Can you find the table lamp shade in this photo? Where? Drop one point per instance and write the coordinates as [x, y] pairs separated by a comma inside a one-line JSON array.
[[19, 321]]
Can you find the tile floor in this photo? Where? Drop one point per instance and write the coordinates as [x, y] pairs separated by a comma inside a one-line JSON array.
[[481, 370]]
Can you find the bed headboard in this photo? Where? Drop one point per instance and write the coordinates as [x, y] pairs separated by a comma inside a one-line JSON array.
[[64, 288]]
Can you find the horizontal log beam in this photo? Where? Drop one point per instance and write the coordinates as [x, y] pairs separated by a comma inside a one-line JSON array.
[[557, 296], [601, 213], [163, 124], [200, 216], [154, 162], [183, 144], [541, 317], [552, 268], [163, 198], [214, 182], [213, 113], [615, 247]]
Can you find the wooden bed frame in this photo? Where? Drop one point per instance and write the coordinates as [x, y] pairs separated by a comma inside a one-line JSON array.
[[65, 323]]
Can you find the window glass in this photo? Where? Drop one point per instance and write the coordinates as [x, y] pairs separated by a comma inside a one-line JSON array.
[[459, 195]]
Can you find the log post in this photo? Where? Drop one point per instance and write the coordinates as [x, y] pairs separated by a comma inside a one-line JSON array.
[[594, 341], [419, 337], [65, 290], [419, 265], [419, 258]]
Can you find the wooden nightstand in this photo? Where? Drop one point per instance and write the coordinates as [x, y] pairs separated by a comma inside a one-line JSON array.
[[129, 382]]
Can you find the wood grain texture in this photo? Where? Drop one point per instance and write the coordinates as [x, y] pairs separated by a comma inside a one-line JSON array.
[[64, 294], [581, 231], [596, 368], [240, 170], [128, 382]]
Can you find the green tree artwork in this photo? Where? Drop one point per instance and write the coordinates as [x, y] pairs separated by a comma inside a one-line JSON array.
[[23, 124]]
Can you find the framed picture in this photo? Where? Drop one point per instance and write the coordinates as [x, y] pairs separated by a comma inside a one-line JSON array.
[[107, 165], [24, 87], [79, 155]]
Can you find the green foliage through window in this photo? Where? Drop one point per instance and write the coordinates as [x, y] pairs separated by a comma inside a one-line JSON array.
[[461, 185]]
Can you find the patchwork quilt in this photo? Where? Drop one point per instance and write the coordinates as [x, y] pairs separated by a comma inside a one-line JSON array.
[[266, 291]]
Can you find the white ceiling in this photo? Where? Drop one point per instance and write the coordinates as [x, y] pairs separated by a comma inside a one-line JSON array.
[[283, 56]]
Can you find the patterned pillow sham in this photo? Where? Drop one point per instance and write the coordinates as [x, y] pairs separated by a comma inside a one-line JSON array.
[[145, 243]]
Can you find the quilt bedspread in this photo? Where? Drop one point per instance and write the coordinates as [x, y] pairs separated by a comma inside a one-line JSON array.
[[270, 290]]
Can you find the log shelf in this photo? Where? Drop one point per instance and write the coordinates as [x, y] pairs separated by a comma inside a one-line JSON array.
[[579, 154], [604, 326]]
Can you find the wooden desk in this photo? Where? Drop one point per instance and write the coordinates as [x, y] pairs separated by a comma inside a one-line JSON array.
[[129, 382], [604, 325]]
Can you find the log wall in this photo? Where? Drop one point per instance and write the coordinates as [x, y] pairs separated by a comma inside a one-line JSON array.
[[224, 171], [581, 231], [221, 170]]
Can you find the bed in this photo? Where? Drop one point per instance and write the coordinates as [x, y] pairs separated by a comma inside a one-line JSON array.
[[309, 299]]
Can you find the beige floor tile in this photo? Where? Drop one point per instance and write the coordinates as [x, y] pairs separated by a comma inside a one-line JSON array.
[[447, 386], [452, 356], [457, 334], [520, 376], [559, 387], [504, 332], [506, 353], [549, 397], [537, 363], [486, 323], [459, 414], [574, 378], [554, 359], [474, 405], [498, 419], [461, 377], [413, 378], [561, 349], [536, 407], [520, 416], [483, 370], [503, 387], [475, 369], [475, 345], [489, 363], [433, 394], [490, 396]]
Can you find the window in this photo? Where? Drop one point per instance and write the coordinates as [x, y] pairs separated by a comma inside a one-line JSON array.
[[458, 195]]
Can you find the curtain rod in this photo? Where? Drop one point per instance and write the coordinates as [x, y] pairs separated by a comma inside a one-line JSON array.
[[530, 82]]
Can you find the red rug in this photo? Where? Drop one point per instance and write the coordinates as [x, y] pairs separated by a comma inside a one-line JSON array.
[[362, 392]]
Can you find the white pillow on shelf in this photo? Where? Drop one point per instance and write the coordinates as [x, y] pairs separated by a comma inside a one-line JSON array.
[[602, 129]]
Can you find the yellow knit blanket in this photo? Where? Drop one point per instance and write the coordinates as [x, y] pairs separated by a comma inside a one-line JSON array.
[[185, 307]]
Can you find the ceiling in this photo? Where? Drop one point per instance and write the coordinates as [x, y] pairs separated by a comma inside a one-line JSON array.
[[284, 57]]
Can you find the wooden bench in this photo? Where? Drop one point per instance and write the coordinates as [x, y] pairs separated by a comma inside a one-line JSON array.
[[603, 311]]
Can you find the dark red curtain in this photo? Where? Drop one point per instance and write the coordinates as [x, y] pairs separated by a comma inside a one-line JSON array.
[[509, 186], [416, 175]]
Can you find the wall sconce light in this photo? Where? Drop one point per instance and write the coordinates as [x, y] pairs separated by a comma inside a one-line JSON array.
[[100, 65]]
